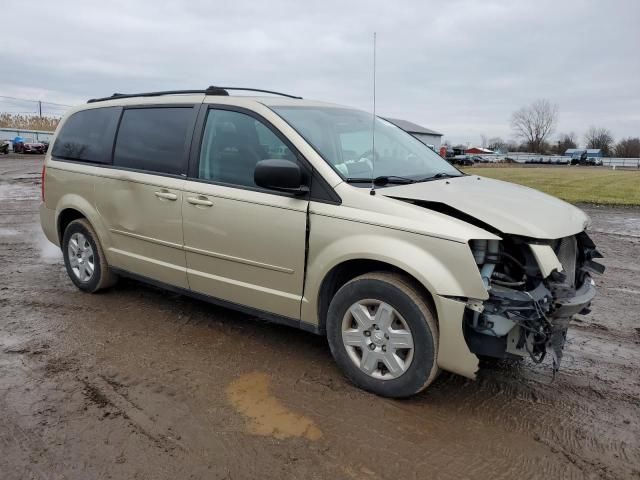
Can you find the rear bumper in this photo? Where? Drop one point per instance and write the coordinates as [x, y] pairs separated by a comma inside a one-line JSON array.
[[48, 224]]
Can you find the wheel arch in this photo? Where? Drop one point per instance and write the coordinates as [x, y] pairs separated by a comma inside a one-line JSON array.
[[347, 270], [65, 217], [439, 267], [73, 206]]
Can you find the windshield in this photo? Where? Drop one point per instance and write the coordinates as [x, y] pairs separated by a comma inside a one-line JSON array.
[[343, 137]]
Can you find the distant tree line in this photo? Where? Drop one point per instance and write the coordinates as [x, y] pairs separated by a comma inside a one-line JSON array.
[[28, 122], [534, 124]]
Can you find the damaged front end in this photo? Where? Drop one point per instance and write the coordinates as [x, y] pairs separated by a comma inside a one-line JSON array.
[[534, 287]]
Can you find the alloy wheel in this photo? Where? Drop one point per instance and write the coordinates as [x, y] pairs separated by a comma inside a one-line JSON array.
[[377, 339], [81, 257]]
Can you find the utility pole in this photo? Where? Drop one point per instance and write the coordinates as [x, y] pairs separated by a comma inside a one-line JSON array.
[[40, 108]]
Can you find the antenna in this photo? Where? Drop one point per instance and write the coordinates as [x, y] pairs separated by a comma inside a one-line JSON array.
[[373, 129]]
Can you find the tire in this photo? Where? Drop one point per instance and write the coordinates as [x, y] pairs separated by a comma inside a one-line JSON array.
[[369, 293], [92, 255]]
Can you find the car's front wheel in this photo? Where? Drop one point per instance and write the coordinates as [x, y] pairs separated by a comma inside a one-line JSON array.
[[383, 334], [83, 256]]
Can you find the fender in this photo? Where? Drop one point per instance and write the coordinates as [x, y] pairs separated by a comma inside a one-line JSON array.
[[444, 267]]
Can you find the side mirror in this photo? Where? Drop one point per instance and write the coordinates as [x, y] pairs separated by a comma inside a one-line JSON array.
[[280, 175]]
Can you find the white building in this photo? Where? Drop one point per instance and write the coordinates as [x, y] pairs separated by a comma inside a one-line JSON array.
[[429, 137]]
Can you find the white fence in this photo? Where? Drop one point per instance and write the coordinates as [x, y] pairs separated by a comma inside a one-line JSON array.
[[621, 162], [558, 159]]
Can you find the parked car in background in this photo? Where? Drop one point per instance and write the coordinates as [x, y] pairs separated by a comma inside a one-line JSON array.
[[4, 147], [462, 160], [283, 208], [29, 145], [585, 160]]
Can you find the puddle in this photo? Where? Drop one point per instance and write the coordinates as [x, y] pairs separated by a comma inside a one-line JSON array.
[[48, 251], [619, 221], [7, 232], [266, 416], [18, 192]]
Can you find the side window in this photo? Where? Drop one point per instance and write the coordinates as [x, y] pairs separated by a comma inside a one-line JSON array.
[[87, 136], [233, 143], [153, 139]]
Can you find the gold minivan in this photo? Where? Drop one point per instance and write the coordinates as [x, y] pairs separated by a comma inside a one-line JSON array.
[[284, 208]]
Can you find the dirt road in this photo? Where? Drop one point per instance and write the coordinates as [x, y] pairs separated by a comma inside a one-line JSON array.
[[140, 383]]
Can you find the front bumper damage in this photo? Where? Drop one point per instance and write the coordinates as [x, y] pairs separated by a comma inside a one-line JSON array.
[[535, 288]]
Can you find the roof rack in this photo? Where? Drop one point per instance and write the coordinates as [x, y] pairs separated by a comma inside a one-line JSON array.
[[223, 91]]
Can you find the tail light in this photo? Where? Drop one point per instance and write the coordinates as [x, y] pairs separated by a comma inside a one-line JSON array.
[[44, 168]]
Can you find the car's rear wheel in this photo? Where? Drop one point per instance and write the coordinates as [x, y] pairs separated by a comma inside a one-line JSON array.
[[383, 334], [83, 256]]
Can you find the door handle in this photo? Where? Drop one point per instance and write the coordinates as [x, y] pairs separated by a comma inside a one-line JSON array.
[[166, 195], [200, 201]]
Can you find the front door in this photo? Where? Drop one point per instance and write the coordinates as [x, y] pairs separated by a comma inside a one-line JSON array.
[[243, 244]]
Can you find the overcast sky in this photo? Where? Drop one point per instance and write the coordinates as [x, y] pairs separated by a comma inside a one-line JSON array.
[[459, 67]]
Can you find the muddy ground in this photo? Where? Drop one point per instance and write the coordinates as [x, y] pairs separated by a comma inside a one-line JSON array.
[[140, 383]]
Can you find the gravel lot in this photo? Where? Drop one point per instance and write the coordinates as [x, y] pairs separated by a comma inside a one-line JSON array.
[[139, 383]]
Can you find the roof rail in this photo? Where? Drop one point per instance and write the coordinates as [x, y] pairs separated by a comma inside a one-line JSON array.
[[209, 91], [254, 90]]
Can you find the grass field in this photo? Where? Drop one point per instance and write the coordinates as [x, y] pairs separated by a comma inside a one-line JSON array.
[[573, 184]]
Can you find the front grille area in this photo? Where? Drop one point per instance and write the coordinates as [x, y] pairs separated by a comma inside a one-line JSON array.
[[567, 252]]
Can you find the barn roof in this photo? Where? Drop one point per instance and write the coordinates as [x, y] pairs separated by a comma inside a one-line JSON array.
[[412, 127], [479, 150]]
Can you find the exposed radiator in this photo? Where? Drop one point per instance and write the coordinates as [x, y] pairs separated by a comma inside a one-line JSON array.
[[567, 252]]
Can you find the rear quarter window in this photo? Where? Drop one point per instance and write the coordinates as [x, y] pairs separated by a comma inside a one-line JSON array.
[[87, 135], [154, 139]]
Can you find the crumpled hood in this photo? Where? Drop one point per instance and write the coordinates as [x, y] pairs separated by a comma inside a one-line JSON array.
[[507, 207]]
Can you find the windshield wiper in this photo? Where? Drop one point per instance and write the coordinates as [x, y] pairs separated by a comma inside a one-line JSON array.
[[438, 176], [382, 180]]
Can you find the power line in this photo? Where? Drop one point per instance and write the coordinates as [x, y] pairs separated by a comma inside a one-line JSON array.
[[35, 101], [22, 113]]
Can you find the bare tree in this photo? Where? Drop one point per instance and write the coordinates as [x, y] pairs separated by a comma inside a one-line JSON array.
[[497, 144], [483, 140], [512, 146], [628, 148], [565, 142], [535, 123], [599, 137]]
